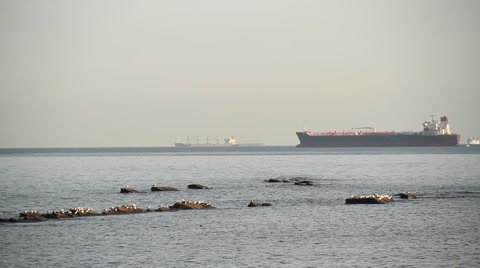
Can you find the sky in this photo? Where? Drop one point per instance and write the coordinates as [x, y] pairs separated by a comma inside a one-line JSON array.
[[150, 73]]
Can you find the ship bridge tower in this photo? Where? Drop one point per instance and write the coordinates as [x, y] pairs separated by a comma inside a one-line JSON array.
[[435, 128]]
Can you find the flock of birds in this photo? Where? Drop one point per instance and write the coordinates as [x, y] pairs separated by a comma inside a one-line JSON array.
[[72, 211], [201, 202], [132, 206], [375, 196]]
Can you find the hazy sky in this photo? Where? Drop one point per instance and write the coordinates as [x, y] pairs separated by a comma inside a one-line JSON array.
[[148, 73]]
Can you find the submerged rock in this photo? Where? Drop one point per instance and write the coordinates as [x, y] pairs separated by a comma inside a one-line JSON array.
[[369, 199], [273, 180], [162, 188], [29, 216], [407, 195], [277, 180], [254, 203], [304, 183], [13, 220], [295, 180]]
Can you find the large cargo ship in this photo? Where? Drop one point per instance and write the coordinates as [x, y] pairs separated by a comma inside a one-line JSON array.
[[228, 142], [434, 133]]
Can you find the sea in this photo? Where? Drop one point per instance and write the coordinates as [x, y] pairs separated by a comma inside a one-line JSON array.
[[306, 226]]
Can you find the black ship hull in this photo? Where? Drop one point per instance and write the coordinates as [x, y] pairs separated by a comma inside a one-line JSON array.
[[378, 140]]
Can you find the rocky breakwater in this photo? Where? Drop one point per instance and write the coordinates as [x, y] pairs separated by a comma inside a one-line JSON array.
[[70, 213], [124, 209], [26, 216], [36, 216], [191, 205], [369, 199]]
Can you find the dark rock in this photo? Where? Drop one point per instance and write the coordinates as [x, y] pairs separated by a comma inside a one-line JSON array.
[[304, 183], [127, 190], [299, 179], [277, 180], [163, 188], [273, 180], [190, 205], [197, 186], [254, 203], [407, 195]]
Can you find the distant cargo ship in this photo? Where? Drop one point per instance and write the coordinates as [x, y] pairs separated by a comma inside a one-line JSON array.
[[228, 142], [434, 133]]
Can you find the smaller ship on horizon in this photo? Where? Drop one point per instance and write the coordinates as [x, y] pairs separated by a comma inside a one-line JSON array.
[[228, 142], [473, 141]]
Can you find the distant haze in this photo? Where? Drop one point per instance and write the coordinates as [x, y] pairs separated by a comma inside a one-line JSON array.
[[149, 73]]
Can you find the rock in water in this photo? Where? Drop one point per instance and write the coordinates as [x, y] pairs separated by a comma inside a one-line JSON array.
[[304, 182], [406, 195], [254, 203], [369, 199], [197, 186], [190, 205], [163, 188], [127, 190]]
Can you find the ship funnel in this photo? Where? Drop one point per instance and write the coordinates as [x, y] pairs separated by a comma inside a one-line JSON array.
[[444, 126]]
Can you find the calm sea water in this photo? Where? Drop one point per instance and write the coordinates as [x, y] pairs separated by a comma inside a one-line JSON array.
[[307, 226]]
